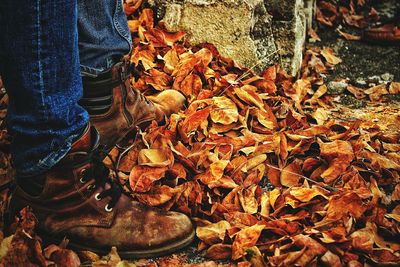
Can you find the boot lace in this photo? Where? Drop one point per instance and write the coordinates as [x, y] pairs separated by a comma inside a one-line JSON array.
[[101, 174]]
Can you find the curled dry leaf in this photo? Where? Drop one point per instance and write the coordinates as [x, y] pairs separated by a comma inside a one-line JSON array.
[[142, 178], [225, 111], [219, 252], [339, 155], [291, 174], [155, 157], [245, 239], [329, 55], [375, 93], [306, 194], [346, 204], [212, 233], [314, 249]]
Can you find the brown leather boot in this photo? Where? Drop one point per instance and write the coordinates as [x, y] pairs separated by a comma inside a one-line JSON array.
[[387, 34], [116, 108], [79, 201]]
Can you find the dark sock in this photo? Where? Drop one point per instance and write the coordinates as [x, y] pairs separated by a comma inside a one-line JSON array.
[[97, 94]]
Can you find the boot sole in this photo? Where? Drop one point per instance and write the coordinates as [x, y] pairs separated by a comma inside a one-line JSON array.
[[134, 254]]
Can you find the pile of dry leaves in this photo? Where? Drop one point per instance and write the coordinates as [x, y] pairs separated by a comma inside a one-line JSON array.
[[352, 13], [255, 160]]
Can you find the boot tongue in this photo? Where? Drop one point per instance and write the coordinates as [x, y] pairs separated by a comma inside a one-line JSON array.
[[84, 142]]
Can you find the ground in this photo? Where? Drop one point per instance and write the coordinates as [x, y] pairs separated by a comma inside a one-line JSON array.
[[362, 62]]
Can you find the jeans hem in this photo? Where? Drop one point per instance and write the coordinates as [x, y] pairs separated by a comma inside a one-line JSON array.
[[90, 71], [50, 160]]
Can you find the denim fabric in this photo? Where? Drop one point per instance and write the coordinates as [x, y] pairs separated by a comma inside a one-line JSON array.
[[104, 36], [39, 64], [41, 70]]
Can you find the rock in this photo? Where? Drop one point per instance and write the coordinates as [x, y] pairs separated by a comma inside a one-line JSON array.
[[240, 29], [243, 29], [290, 37], [337, 87], [387, 77], [284, 10], [361, 82]]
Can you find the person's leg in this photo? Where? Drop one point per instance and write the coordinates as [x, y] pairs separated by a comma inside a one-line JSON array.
[[114, 106], [104, 36], [39, 65], [76, 198]]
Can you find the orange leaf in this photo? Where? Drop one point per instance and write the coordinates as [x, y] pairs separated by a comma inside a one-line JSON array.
[[155, 157], [248, 200], [328, 54], [339, 154], [158, 196], [224, 111], [245, 238], [219, 252], [306, 194], [212, 233], [341, 205], [191, 86], [142, 178], [291, 174], [248, 94], [313, 249]]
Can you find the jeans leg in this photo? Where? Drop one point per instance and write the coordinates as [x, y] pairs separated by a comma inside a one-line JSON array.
[[39, 63], [104, 36]]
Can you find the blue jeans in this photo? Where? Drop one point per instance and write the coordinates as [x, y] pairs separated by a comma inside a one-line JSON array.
[[45, 47]]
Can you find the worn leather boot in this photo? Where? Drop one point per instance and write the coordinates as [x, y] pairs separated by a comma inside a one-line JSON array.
[[116, 108], [78, 201], [387, 34]]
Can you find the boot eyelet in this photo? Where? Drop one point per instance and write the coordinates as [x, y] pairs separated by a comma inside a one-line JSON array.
[[107, 208], [91, 187], [81, 175], [97, 197]]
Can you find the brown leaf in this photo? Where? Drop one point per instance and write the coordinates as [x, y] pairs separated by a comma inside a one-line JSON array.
[[245, 238], [111, 260], [313, 35], [158, 79], [155, 157], [346, 204], [191, 86], [379, 161], [313, 249], [142, 178], [248, 94], [158, 196], [306, 194], [348, 36], [328, 54], [339, 154], [291, 174], [298, 91], [331, 259], [219, 252], [357, 92], [394, 88], [248, 200], [65, 258], [375, 93], [225, 111], [213, 233]]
